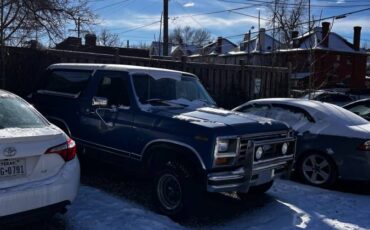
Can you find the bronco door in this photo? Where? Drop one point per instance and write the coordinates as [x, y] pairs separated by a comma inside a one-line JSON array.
[[107, 123]]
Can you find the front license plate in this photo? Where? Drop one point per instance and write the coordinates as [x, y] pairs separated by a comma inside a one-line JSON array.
[[12, 167]]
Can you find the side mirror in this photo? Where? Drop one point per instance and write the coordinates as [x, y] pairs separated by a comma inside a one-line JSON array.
[[100, 102]]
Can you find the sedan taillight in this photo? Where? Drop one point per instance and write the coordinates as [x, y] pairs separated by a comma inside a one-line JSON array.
[[364, 146], [67, 150]]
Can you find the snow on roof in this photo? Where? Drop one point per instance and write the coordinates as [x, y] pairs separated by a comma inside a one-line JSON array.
[[269, 43], [314, 39], [226, 45], [320, 110], [114, 67]]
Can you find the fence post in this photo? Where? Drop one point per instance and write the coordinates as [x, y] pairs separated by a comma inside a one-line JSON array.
[[183, 62], [289, 78]]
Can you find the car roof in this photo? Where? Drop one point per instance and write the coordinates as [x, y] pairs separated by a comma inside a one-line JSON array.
[[357, 102], [117, 67], [6, 93], [311, 106]]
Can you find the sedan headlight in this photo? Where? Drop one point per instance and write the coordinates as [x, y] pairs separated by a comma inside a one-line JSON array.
[[365, 146], [226, 150]]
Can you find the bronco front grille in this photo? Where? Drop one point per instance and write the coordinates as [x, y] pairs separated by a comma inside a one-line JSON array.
[[273, 141]]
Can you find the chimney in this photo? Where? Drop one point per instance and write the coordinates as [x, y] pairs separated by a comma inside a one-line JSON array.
[[294, 35], [325, 34], [261, 39], [219, 45], [90, 40], [357, 38]]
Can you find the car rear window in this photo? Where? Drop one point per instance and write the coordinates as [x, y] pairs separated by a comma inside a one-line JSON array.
[[67, 81], [15, 113]]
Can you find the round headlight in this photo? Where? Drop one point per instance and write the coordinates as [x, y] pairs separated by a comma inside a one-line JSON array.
[[284, 148], [259, 153]]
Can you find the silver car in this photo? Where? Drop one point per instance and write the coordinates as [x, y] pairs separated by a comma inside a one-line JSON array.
[[332, 142]]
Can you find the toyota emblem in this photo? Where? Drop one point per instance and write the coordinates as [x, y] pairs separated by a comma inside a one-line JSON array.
[[10, 152]]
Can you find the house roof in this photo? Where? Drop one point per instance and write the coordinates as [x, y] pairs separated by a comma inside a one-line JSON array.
[[226, 46], [314, 38], [268, 45]]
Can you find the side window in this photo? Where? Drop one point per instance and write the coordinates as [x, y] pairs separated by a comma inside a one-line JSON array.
[[67, 81], [114, 87], [256, 109], [361, 109], [290, 115]]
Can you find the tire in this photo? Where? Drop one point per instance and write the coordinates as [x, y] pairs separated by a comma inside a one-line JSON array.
[[317, 169], [256, 190], [177, 192]]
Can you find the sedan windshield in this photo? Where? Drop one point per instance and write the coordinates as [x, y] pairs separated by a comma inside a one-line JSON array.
[[167, 91], [14, 113]]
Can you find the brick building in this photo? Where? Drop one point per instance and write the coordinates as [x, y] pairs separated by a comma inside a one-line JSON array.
[[75, 44]]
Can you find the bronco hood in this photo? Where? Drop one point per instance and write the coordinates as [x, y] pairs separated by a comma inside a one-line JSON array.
[[213, 118]]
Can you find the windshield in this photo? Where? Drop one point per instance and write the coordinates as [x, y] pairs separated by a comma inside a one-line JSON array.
[[184, 91], [14, 113]]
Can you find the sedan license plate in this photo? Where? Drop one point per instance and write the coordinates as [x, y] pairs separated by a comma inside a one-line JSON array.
[[12, 167]]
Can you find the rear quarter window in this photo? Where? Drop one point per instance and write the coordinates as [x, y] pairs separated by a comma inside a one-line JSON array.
[[67, 81]]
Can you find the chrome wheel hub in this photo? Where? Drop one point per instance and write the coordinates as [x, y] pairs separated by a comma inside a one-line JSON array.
[[316, 169]]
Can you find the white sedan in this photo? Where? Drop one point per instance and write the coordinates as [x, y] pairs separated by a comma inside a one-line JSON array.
[[39, 169]]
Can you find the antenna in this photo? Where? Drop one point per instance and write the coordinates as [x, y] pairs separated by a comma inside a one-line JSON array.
[[78, 28]]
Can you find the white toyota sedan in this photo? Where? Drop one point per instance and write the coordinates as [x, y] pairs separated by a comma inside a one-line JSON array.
[[39, 169]]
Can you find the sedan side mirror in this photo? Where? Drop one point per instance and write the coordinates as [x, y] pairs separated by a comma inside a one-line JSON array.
[[100, 102]]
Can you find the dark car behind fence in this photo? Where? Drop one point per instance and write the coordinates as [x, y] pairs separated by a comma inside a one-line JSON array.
[[230, 85]]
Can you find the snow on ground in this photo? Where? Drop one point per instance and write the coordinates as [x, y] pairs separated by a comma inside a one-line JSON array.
[[293, 206], [97, 210]]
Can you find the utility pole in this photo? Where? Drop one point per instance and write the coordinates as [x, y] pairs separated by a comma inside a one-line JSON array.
[[310, 80], [160, 36], [165, 28]]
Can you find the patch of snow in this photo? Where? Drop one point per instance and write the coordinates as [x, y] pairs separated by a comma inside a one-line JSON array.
[[298, 206], [97, 210], [294, 206]]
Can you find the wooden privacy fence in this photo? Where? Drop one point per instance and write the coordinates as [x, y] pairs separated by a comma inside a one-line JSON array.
[[229, 85]]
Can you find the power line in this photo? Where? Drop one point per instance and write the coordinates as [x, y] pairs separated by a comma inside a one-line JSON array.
[[339, 16], [139, 27], [338, 5], [110, 5]]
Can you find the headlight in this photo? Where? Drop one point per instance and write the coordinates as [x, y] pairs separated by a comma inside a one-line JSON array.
[[284, 148], [222, 145], [365, 146], [259, 153], [225, 151]]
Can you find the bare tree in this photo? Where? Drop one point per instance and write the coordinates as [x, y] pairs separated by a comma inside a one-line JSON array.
[[287, 16], [105, 38], [188, 35], [21, 18]]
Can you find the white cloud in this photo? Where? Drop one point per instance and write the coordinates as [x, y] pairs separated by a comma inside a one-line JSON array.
[[220, 26], [189, 4]]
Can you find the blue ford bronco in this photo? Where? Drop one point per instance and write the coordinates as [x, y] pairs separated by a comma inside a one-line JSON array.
[[164, 123]]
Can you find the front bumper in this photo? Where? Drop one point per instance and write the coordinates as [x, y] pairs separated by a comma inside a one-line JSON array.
[[239, 180], [27, 197]]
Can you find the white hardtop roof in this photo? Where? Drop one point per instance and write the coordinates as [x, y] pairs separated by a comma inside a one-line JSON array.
[[115, 67]]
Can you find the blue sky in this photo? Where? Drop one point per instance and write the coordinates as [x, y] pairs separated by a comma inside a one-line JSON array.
[[124, 17]]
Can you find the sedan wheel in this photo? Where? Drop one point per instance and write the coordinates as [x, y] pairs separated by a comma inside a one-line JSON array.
[[318, 170]]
